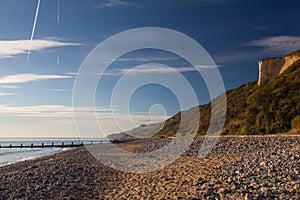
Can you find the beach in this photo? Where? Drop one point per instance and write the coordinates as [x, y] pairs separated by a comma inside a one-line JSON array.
[[237, 168]]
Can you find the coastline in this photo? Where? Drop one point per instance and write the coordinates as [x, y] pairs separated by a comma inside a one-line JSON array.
[[237, 168], [18, 149], [36, 157]]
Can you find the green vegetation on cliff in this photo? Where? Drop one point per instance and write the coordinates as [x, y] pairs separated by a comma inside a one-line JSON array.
[[271, 108], [251, 109]]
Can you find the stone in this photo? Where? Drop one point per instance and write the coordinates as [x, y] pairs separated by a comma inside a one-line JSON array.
[[221, 190], [270, 68]]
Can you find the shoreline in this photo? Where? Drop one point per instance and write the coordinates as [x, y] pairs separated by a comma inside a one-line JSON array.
[[133, 140], [32, 158], [237, 168]]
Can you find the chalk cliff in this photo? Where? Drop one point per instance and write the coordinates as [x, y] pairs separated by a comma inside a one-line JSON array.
[[270, 68], [251, 109]]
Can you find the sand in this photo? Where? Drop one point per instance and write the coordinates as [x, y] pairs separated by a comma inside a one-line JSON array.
[[237, 168]]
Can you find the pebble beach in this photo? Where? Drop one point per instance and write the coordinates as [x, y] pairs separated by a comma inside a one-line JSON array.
[[237, 168]]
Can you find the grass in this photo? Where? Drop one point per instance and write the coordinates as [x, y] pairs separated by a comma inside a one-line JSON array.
[[268, 109]]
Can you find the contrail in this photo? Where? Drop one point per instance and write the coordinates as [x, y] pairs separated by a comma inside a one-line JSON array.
[[58, 59], [58, 14], [33, 31], [58, 22]]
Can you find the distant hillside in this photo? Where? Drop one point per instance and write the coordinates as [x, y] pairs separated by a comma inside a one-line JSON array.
[[251, 109], [273, 107], [143, 131]]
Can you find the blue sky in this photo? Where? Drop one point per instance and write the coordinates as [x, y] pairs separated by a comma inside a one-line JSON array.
[[36, 97]]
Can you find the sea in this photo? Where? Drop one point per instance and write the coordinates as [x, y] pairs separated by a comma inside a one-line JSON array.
[[10, 156]]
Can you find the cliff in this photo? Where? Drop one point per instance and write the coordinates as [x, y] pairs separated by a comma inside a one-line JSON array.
[[251, 109], [270, 68]]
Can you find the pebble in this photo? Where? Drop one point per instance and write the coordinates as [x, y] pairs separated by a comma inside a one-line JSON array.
[[237, 168]]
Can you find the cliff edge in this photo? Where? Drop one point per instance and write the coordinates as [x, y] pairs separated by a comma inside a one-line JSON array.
[[270, 68], [273, 107]]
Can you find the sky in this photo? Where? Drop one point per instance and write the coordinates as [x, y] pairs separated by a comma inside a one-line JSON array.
[[43, 44]]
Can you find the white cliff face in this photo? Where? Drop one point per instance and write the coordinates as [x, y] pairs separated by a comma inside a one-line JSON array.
[[270, 68], [289, 60]]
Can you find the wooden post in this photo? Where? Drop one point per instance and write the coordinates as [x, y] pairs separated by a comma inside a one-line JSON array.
[[72, 144], [62, 144]]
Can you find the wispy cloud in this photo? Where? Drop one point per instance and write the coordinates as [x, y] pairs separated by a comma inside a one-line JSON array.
[[154, 69], [59, 90], [277, 44], [50, 110], [62, 111], [115, 3], [270, 46], [24, 78], [148, 59], [53, 118], [145, 59], [11, 48], [236, 56], [9, 87], [6, 94], [72, 73]]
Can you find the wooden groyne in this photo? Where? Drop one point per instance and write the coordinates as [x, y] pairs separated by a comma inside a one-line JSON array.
[[43, 145]]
